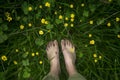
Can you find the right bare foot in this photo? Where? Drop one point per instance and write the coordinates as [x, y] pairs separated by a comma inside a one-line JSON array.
[[68, 50]]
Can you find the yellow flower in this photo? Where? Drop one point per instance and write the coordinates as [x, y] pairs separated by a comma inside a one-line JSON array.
[[41, 32], [108, 24], [66, 18], [49, 30], [100, 57], [72, 25], [91, 21], [94, 55], [117, 19], [92, 42], [40, 62], [66, 24], [60, 17], [47, 4], [37, 53], [72, 50], [82, 4], [72, 15], [7, 14], [110, 0], [55, 12], [90, 35], [71, 6], [40, 6], [29, 24], [15, 62], [42, 20], [95, 60], [60, 7], [16, 50], [21, 27], [80, 20], [9, 19], [4, 58], [118, 35], [72, 19], [33, 54], [30, 8], [46, 22]]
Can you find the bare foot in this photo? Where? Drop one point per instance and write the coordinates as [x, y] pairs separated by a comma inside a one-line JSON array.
[[68, 50], [53, 55]]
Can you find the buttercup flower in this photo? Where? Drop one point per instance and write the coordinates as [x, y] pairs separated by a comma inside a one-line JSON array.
[[60, 17], [117, 19], [66, 18], [118, 35], [66, 24], [37, 53], [21, 27], [33, 54], [72, 15], [95, 60], [29, 24], [90, 35], [9, 18], [72, 19], [72, 50], [15, 62], [40, 6], [94, 55], [108, 24], [16, 50], [40, 62], [30, 8], [7, 14], [42, 20], [100, 57], [82, 4], [41, 32], [55, 12], [4, 58], [47, 4], [91, 21], [71, 6], [92, 42], [72, 25], [46, 22]]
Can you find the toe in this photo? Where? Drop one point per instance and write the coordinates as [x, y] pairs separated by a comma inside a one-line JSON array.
[[55, 43]]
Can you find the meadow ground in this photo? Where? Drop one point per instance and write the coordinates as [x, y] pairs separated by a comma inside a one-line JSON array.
[[26, 26]]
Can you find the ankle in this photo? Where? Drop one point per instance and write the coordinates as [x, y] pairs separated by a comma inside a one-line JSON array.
[[55, 67], [71, 69]]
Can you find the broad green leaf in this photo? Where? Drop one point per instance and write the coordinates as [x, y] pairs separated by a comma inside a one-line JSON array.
[[25, 19], [81, 55], [3, 37], [49, 26], [92, 8], [25, 7], [25, 55], [85, 13], [26, 74], [4, 27], [38, 15], [25, 62], [1, 20], [39, 42], [58, 21], [100, 21]]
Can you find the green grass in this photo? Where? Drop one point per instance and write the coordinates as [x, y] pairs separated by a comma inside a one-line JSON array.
[[105, 31]]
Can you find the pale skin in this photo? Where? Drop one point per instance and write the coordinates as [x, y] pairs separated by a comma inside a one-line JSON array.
[[68, 51]]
